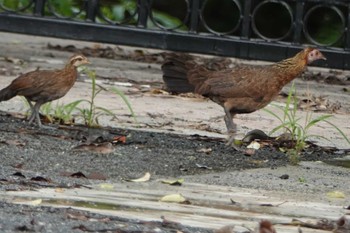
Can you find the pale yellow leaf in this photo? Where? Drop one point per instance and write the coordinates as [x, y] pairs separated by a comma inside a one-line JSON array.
[[59, 190], [145, 178], [106, 186], [254, 145], [336, 194], [178, 198], [35, 202], [173, 182]]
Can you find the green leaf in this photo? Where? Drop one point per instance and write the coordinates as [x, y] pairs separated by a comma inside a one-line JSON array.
[[125, 99], [339, 130]]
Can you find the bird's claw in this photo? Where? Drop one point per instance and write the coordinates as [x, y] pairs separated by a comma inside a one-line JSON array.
[[231, 143]]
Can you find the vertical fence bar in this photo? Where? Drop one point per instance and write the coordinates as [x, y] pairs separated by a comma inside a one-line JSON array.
[[39, 7], [91, 10], [143, 12], [194, 15], [246, 19], [347, 43], [298, 25]]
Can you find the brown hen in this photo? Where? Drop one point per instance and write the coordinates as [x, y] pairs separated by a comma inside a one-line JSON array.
[[242, 89], [42, 86]]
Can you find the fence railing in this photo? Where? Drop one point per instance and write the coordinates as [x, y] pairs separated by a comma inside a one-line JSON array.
[[251, 29]]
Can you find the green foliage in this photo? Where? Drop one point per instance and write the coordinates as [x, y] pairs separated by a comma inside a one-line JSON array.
[[14, 4], [67, 8], [61, 113], [299, 133], [91, 114], [302, 180], [120, 11], [165, 20], [124, 10], [125, 99]]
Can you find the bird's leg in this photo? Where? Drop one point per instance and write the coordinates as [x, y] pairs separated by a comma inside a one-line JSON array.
[[35, 114], [231, 128], [32, 116]]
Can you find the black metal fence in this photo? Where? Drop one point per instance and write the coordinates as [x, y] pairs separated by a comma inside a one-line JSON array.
[[250, 29]]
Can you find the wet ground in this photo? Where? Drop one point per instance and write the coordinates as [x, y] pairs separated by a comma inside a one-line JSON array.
[[171, 139]]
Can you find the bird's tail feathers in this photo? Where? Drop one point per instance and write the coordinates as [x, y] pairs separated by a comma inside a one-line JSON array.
[[175, 69], [6, 94]]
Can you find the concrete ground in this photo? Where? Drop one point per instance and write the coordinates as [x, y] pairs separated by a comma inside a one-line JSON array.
[[158, 111]]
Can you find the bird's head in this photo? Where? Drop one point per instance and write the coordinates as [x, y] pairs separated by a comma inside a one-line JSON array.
[[313, 55], [78, 60]]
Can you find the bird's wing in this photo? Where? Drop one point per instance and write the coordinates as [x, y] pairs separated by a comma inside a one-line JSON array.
[[238, 83], [33, 82]]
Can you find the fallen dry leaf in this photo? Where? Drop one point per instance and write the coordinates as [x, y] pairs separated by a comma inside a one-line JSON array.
[[77, 216], [336, 194], [121, 139], [249, 152], [205, 150], [104, 148], [35, 202], [254, 145], [14, 143], [40, 179], [18, 165], [59, 190], [145, 178], [203, 166], [177, 198], [75, 175], [19, 174], [106, 186], [173, 182], [159, 91]]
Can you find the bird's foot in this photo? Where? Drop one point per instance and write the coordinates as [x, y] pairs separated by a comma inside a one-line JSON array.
[[231, 142], [40, 125]]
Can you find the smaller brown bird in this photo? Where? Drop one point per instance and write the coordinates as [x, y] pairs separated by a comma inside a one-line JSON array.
[[42, 86], [242, 89]]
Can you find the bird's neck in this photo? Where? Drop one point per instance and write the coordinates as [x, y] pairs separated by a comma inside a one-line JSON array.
[[290, 68], [69, 67]]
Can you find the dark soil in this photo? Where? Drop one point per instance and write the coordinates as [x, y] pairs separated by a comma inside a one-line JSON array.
[[63, 150]]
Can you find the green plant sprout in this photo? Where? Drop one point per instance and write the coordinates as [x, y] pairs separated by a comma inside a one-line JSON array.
[[299, 132], [91, 114], [63, 113]]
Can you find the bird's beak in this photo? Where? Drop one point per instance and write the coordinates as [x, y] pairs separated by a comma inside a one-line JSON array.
[[322, 56]]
